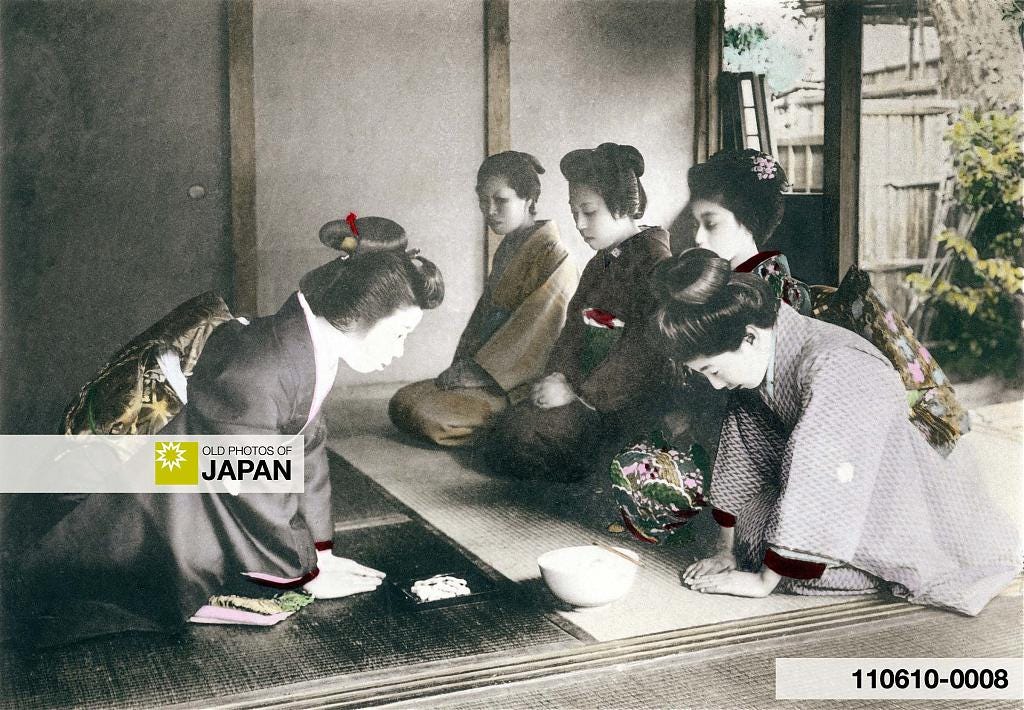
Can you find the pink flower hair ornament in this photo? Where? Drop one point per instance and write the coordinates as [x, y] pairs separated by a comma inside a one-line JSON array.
[[764, 167]]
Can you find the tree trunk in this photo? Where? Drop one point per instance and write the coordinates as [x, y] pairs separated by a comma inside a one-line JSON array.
[[982, 58]]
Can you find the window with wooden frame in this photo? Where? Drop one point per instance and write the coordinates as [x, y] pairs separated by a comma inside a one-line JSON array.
[[744, 111]]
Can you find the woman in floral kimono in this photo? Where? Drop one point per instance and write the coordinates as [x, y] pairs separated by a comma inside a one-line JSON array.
[[821, 485], [124, 562], [509, 336], [601, 371]]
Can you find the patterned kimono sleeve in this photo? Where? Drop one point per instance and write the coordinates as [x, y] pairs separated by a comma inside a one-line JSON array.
[[750, 450], [849, 401]]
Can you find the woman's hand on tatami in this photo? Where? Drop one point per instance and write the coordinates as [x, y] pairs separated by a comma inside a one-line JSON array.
[[716, 564], [341, 577]]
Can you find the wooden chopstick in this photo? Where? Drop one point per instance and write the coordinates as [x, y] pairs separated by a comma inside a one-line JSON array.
[[611, 549]]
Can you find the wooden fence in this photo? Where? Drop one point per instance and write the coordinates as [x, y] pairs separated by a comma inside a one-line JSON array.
[[903, 162]]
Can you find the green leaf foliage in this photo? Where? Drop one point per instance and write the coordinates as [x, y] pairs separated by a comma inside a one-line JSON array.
[[666, 494], [975, 316]]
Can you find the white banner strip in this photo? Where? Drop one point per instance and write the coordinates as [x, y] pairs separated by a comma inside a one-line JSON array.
[[152, 464], [905, 678]]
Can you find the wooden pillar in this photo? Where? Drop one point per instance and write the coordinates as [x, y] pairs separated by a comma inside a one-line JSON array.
[[498, 133], [910, 49], [242, 126], [923, 59], [709, 25], [843, 31]]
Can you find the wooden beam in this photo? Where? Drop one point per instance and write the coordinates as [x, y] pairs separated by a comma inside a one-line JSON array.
[[242, 127], [498, 128], [841, 180], [709, 26]]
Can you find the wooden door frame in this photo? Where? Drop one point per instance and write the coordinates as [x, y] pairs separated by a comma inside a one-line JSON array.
[[497, 97], [709, 28], [844, 26]]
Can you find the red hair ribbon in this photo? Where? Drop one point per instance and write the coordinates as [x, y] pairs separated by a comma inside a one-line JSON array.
[[351, 219]]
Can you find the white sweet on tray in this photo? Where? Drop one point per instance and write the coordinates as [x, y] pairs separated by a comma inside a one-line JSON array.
[[440, 586]]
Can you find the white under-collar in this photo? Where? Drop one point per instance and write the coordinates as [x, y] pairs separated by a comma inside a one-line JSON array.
[[326, 361], [769, 375]]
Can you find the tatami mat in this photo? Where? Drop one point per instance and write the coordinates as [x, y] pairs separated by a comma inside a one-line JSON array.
[[508, 524], [329, 639]]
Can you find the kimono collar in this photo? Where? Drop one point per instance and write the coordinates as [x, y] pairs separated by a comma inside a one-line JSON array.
[[769, 375], [753, 262], [646, 232], [509, 248], [326, 361], [787, 338]]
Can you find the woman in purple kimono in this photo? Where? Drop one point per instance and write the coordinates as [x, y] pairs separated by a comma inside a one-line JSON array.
[[812, 495], [149, 561]]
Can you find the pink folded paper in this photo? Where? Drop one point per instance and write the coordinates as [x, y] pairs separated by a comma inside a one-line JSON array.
[[209, 614]]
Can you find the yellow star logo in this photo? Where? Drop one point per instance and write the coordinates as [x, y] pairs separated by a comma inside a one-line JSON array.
[[176, 463]]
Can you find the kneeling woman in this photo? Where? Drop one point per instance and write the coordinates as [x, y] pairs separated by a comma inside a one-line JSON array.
[[150, 561], [821, 485], [601, 370], [509, 336]]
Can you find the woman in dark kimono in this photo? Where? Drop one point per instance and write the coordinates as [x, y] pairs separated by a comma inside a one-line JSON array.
[[821, 484], [150, 561], [506, 343], [601, 371], [736, 200]]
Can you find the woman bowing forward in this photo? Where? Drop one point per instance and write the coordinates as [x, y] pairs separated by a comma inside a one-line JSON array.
[[149, 562], [821, 484]]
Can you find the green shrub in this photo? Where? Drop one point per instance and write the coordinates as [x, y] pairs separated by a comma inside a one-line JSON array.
[[975, 316]]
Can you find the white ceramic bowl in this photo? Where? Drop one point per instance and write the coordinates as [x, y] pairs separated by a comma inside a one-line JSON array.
[[588, 575]]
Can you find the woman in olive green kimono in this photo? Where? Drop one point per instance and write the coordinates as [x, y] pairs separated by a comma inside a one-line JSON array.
[[515, 323]]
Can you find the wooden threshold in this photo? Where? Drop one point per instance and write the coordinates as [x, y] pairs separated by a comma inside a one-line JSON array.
[[381, 688]]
